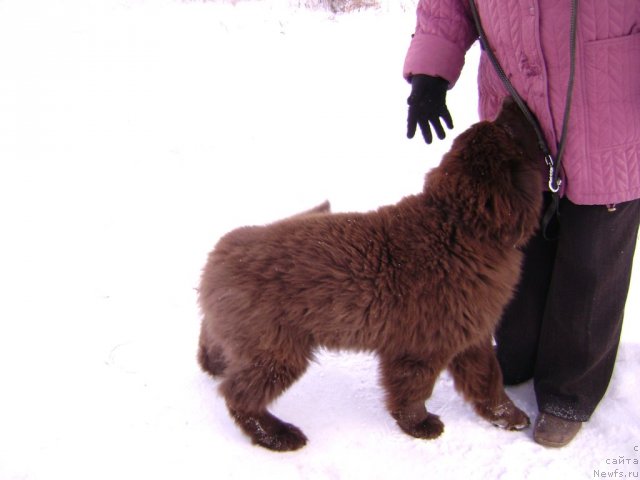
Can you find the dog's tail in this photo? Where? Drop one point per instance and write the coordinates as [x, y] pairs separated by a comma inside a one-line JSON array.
[[323, 208]]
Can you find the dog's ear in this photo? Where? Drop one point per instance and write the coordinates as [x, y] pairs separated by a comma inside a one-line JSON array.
[[509, 110], [513, 121]]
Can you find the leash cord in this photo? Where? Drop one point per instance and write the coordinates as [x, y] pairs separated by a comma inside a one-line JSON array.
[[554, 165]]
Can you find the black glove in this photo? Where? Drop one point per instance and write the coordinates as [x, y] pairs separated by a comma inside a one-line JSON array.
[[427, 106]]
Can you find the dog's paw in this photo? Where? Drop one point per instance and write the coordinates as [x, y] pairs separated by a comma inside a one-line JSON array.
[[285, 438], [429, 428], [269, 431], [509, 417]]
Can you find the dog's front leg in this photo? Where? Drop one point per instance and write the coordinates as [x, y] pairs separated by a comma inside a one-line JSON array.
[[478, 377], [408, 382]]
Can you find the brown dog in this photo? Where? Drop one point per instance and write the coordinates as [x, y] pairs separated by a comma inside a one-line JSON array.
[[421, 283]]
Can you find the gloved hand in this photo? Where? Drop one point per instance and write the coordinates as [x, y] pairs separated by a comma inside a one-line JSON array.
[[427, 106]]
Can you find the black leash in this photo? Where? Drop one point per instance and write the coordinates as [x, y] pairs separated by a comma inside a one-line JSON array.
[[553, 164]]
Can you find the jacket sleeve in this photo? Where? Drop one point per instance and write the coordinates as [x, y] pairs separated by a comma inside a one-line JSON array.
[[444, 32]]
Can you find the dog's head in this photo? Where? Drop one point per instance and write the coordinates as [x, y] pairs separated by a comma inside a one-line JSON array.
[[493, 177], [517, 126]]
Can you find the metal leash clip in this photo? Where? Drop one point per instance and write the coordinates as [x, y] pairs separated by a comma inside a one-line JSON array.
[[554, 182]]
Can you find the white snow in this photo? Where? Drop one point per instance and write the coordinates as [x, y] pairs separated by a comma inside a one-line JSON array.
[[133, 133]]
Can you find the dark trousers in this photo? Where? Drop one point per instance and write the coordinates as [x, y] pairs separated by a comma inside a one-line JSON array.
[[563, 326]]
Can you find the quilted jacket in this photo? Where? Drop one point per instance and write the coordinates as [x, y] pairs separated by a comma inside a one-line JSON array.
[[531, 40]]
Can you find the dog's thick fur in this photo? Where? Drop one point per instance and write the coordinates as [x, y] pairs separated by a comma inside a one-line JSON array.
[[421, 283]]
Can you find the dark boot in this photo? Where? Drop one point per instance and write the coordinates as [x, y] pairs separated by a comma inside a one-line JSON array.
[[552, 431]]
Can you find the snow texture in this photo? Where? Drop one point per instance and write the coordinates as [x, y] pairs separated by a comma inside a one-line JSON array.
[[133, 133]]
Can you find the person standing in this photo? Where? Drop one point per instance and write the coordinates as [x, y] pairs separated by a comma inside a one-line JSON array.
[[562, 328]]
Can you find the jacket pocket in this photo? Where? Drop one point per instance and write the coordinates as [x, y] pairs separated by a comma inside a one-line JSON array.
[[612, 92]]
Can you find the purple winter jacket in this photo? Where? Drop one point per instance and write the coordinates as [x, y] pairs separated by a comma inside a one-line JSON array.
[[531, 40]]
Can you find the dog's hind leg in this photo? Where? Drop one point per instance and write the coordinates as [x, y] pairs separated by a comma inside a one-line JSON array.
[[408, 382], [211, 359], [210, 355], [478, 377], [250, 387]]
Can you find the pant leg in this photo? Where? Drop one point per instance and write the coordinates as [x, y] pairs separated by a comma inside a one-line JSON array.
[[582, 321], [518, 332]]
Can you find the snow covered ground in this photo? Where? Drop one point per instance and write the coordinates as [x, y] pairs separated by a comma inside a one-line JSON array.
[[133, 133]]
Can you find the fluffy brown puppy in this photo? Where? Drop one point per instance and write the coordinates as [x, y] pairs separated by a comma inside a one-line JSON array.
[[421, 283]]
